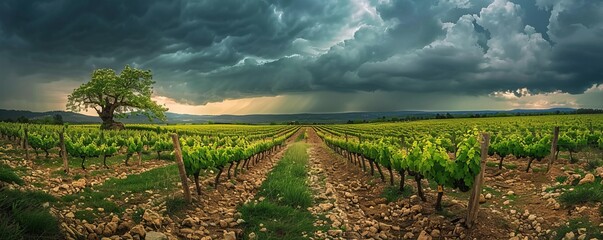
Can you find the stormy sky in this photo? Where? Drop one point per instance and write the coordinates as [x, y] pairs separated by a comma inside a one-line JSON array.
[[271, 56]]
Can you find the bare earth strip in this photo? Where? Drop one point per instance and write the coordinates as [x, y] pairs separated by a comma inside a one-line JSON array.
[[213, 215]]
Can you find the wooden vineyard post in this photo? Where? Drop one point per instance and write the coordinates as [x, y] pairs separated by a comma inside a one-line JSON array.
[[64, 151], [187, 193], [477, 184], [553, 156], [26, 145]]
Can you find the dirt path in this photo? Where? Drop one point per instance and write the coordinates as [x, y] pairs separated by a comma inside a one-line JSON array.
[[214, 213]]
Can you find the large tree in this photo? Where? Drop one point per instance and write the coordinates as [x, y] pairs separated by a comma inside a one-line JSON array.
[[117, 95]]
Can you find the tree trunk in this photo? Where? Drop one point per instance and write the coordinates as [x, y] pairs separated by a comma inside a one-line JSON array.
[[231, 163], [401, 181], [158, 155], [108, 122], [391, 176], [139, 158], [245, 162], [438, 205], [529, 164], [419, 188], [83, 160], [46, 151], [218, 177], [197, 186], [105, 161], [500, 162], [372, 168], [128, 155], [380, 172], [363, 163], [237, 168]]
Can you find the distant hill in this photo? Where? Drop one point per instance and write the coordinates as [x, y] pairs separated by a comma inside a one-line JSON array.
[[271, 118]]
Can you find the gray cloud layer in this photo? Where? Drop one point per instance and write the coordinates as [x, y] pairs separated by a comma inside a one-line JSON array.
[[205, 51]]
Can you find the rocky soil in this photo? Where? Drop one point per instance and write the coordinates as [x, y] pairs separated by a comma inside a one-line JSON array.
[[348, 202]]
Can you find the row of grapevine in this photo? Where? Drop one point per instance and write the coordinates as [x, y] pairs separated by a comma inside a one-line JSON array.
[[85, 143], [199, 156], [427, 158], [448, 151]]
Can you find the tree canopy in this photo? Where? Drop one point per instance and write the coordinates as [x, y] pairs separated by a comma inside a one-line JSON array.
[[117, 95]]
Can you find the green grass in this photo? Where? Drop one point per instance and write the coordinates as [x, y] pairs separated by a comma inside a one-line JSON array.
[[300, 137], [9, 229], [492, 164], [392, 193], [561, 178], [592, 231], [85, 215], [538, 169], [281, 222], [286, 184], [22, 215], [8, 175], [137, 215], [589, 192], [283, 212], [592, 164], [156, 180], [510, 166], [175, 205]]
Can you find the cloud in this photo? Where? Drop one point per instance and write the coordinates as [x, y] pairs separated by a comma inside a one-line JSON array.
[[210, 51]]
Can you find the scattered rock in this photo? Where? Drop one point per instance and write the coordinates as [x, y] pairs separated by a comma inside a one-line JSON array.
[[588, 178], [125, 226], [569, 236], [81, 183], [532, 217], [506, 202], [489, 196], [509, 193], [70, 215], [230, 235], [138, 230], [416, 208], [599, 171], [186, 231], [409, 235], [424, 236], [156, 236], [435, 233], [223, 223], [263, 229], [110, 229], [482, 198], [252, 236], [152, 217], [334, 233], [384, 227], [325, 206]]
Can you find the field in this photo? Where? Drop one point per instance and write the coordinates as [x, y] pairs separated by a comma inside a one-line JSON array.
[[404, 180]]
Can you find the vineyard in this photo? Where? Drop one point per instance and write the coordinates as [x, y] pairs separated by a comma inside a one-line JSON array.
[[538, 177]]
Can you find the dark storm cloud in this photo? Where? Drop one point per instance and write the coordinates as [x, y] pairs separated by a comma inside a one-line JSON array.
[[206, 51]]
